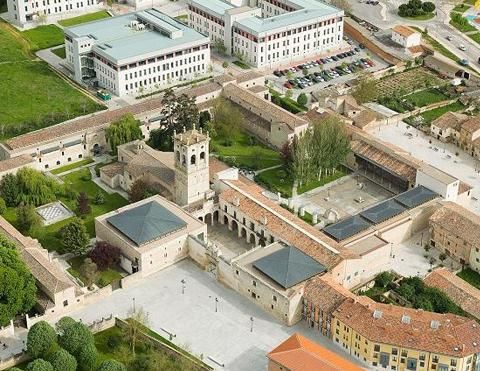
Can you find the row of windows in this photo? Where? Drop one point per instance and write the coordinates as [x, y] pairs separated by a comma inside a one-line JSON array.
[[166, 67]]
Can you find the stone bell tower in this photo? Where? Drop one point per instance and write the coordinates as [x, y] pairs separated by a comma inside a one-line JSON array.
[[192, 178]]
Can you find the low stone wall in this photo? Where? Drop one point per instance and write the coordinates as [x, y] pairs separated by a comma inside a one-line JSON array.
[[130, 280], [14, 360], [96, 295], [8, 330]]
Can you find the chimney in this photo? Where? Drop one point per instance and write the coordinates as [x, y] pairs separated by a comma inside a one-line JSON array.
[[236, 201]]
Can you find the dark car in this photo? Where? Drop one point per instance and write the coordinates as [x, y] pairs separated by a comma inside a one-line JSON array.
[[335, 58], [277, 73], [361, 46], [357, 50]]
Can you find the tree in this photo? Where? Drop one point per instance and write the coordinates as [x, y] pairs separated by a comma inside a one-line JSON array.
[[139, 190], [225, 64], [105, 255], [111, 365], [75, 238], [64, 323], [39, 365], [99, 198], [35, 188], [123, 130], [428, 7], [61, 360], [186, 112], [136, 323], [40, 339], [3, 206], [220, 47], [227, 121], [365, 90], [87, 357], [74, 338], [302, 99], [17, 288], [160, 139], [89, 272], [286, 154], [9, 189], [82, 204], [204, 118], [384, 279], [27, 218], [342, 4]]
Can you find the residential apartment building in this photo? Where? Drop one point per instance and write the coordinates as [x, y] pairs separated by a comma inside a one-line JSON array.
[[396, 338], [22, 12], [454, 230], [136, 52], [268, 33]]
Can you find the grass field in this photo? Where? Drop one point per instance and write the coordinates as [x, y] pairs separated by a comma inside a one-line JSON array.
[[104, 278], [423, 17], [461, 24], [62, 169], [60, 52], [433, 114], [426, 97], [32, 95], [84, 18], [241, 64], [244, 153], [475, 37], [278, 180], [43, 37]]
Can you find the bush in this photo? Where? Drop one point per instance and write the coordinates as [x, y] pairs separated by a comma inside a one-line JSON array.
[[40, 339], [428, 6], [86, 177], [99, 198], [3, 206], [87, 356], [61, 360], [113, 342], [105, 255], [225, 64], [64, 323], [111, 365], [384, 279], [76, 337], [39, 365], [302, 99]]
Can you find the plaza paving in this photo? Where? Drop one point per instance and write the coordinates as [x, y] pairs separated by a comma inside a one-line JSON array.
[[438, 154], [224, 335]]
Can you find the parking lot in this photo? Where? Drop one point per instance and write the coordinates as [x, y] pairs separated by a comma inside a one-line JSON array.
[[321, 72]]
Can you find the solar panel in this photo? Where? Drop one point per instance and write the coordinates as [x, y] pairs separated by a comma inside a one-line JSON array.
[[383, 211], [347, 227], [415, 197]]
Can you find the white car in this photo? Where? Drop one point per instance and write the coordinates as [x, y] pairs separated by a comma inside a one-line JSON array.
[[462, 47]]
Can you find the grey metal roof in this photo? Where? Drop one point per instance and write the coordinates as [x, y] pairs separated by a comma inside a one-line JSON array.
[[347, 227], [146, 222], [383, 211], [288, 266], [416, 196]]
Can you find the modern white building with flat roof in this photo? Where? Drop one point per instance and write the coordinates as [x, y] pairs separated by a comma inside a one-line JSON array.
[[136, 52], [269, 33], [22, 13]]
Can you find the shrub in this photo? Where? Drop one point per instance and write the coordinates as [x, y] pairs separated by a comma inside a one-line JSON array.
[[105, 255], [113, 342], [87, 357], [225, 64], [86, 177], [64, 323], [302, 99], [384, 279], [39, 365], [99, 198], [3, 206], [74, 338], [40, 339], [111, 365], [61, 360]]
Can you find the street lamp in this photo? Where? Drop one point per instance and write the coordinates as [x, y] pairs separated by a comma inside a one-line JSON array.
[[251, 324], [183, 285], [133, 299], [216, 305]]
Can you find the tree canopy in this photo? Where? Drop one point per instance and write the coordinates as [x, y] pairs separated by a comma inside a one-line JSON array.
[[39, 365], [61, 360], [227, 120], [75, 238], [27, 218], [40, 339], [105, 255], [75, 337], [111, 365], [18, 290], [123, 130], [365, 89], [415, 8]]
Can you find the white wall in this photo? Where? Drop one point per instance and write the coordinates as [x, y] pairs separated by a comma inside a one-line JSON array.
[[448, 191]]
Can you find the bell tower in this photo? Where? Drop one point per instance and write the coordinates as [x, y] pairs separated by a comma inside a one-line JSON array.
[[192, 178]]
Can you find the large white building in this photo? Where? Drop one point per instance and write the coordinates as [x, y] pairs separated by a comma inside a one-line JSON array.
[[136, 52], [23, 12], [268, 33]]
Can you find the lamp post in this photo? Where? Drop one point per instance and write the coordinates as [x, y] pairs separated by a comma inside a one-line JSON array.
[[216, 305], [183, 285], [134, 310], [251, 324]]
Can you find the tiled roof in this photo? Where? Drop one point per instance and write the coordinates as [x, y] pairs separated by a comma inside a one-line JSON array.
[[472, 124], [191, 136], [203, 89], [450, 120], [460, 291], [364, 117], [447, 334], [46, 272], [384, 159], [403, 30], [283, 224], [252, 75], [298, 353], [458, 221], [113, 169], [258, 89], [262, 105], [15, 162], [80, 124]]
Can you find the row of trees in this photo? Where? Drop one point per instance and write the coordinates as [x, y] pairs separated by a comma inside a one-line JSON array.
[[70, 346], [318, 152], [415, 8]]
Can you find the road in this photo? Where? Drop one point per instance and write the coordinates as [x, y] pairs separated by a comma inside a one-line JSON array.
[[384, 16]]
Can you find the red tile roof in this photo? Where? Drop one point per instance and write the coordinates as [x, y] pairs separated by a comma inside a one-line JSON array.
[[298, 353]]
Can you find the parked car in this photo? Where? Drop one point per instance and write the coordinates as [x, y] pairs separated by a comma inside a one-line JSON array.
[[361, 46], [335, 58], [357, 50], [449, 38], [462, 47], [288, 85], [463, 62]]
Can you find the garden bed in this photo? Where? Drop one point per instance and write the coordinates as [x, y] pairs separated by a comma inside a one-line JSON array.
[[84, 18], [241, 64]]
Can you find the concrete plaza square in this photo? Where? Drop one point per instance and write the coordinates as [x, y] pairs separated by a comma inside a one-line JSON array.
[[223, 335]]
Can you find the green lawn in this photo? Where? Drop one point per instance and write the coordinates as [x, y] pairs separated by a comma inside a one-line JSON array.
[[72, 166], [423, 17], [32, 95], [245, 152], [433, 114], [472, 277], [60, 52], [104, 277], [475, 37], [461, 8], [84, 18], [462, 27], [241, 64], [426, 97], [43, 37], [278, 180]]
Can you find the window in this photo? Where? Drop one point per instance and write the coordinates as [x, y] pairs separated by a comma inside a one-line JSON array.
[[376, 348], [254, 283]]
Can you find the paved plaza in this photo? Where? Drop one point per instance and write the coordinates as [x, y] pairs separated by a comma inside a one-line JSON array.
[[224, 335], [438, 154], [342, 196]]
